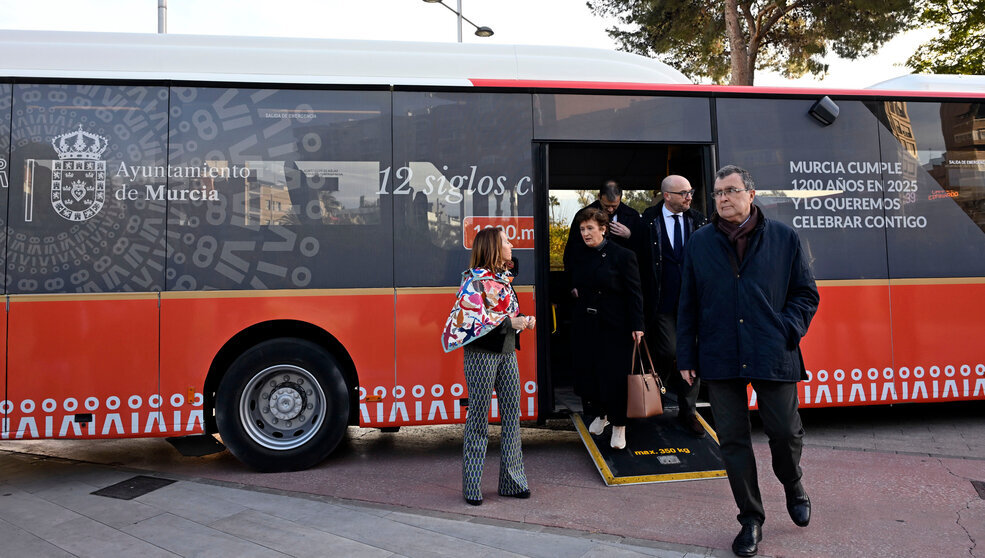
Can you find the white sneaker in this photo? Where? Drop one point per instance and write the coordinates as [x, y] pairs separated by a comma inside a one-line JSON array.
[[598, 425], [618, 437]]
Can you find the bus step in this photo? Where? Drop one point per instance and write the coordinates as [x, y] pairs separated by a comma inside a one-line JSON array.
[[658, 449], [196, 445]]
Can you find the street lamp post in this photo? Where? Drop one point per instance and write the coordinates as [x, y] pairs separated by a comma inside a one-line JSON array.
[[162, 16], [459, 20], [480, 31]]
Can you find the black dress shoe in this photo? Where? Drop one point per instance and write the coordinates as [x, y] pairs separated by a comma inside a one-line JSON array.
[[523, 494], [472, 502], [799, 506], [692, 425], [745, 543]]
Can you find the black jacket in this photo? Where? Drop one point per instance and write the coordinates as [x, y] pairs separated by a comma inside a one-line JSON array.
[[745, 320], [608, 282], [495, 340], [649, 250]]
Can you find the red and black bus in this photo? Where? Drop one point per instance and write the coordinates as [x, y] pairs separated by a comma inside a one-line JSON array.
[[263, 237]]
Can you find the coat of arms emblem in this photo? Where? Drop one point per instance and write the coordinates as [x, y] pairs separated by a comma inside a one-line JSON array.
[[78, 177]]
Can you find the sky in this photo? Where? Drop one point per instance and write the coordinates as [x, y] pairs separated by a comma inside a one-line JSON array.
[[532, 22]]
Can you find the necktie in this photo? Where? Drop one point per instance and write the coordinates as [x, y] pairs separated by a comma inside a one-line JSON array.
[[678, 237]]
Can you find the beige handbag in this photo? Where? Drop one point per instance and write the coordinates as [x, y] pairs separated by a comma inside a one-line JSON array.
[[644, 386]]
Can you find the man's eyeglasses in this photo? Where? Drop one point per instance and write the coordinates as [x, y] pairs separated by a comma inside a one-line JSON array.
[[728, 192], [683, 193]]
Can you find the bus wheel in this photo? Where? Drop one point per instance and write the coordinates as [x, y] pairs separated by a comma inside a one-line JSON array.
[[283, 405]]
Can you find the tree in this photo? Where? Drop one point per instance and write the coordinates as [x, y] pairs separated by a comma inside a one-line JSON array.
[[959, 48], [731, 39], [637, 199], [586, 197]]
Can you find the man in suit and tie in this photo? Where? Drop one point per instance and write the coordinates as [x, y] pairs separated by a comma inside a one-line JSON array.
[[663, 231]]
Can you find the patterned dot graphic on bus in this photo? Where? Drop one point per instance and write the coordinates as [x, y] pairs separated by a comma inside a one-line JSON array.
[[69, 231], [289, 184]]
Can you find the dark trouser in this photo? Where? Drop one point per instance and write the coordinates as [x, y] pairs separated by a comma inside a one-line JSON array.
[[781, 421], [610, 402], [602, 359], [661, 337]]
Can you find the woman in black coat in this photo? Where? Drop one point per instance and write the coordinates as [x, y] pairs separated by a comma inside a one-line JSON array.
[[607, 322]]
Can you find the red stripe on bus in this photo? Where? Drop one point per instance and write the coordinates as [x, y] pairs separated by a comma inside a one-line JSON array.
[[676, 87]]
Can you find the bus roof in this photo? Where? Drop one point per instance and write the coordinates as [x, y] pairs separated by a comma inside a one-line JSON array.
[[942, 82], [51, 54]]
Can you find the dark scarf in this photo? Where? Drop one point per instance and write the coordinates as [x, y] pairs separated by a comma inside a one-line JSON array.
[[737, 234]]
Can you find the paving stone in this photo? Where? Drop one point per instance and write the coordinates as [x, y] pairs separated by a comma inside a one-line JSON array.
[[77, 497], [31, 513], [29, 479], [189, 501], [292, 538], [614, 551], [399, 538], [279, 505], [85, 537], [527, 543], [18, 542], [190, 539]]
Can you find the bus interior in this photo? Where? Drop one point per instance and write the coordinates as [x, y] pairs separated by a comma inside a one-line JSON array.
[[571, 174]]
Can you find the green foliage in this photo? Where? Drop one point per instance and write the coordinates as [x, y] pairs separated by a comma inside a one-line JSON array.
[[787, 36], [959, 48], [638, 199], [558, 240]]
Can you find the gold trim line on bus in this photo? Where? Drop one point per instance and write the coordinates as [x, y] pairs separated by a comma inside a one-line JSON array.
[[81, 297], [270, 293], [452, 290], [180, 295], [901, 282], [276, 293], [384, 291], [939, 281]]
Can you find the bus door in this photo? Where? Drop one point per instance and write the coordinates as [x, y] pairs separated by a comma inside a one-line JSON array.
[[586, 139], [573, 174], [85, 260]]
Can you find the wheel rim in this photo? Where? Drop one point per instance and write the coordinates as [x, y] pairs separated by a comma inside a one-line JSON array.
[[282, 407]]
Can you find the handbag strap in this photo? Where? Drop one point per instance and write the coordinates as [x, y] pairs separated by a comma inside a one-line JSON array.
[[638, 357], [653, 371]]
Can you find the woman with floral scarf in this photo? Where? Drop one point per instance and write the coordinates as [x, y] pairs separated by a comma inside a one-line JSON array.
[[485, 321]]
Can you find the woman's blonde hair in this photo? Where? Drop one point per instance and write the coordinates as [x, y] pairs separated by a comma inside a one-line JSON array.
[[487, 250]]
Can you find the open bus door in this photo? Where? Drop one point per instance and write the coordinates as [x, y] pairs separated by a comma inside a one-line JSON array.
[[569, 177]]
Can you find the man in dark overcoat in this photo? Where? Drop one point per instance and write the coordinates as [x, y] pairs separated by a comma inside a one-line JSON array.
[[747, 298], [623, 220], [663, 233]]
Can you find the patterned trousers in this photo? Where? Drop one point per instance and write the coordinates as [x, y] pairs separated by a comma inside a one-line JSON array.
[[483, 372]]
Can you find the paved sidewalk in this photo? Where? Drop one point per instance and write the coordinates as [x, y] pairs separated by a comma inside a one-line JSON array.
[[885, 482], [47, 509]]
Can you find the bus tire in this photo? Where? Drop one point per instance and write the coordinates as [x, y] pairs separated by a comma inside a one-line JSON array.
[[282, 405]]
